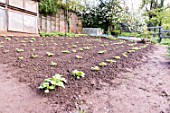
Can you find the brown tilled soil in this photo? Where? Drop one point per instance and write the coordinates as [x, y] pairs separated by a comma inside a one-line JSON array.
[[114, 88], [145, 89]]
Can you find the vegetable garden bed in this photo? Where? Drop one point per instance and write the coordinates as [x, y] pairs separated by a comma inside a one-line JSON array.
[[39, 58]]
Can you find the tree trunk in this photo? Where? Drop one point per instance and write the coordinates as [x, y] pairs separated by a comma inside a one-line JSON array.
[[109, 29]]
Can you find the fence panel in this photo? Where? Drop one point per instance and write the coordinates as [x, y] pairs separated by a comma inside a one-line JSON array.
[[17, 3], [16, 22], [3, 1], [31, 6], [3, 26], [30, 25], [58, 23]]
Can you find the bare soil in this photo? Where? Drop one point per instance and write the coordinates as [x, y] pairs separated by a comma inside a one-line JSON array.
[[145, 89], [96, 92]]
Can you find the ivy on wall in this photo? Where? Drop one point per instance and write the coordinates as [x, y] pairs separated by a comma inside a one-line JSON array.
[[48, 7]]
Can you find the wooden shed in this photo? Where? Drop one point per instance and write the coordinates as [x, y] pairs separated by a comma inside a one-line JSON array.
[[19, 16]]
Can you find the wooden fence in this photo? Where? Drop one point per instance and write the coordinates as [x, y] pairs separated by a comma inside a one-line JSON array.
[[160, 32], [58, 23]]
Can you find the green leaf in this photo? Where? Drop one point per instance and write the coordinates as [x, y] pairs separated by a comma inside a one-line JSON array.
[[95, 68], [46, 91], [116, 57], [52, 87], [102, 52], [60, 84], [110, 61]]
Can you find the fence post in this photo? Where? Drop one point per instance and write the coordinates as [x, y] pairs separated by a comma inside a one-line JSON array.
[[160, 34], [154, 35]]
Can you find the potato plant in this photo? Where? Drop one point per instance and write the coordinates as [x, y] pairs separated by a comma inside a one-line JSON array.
[[78, 74], [51, 83]]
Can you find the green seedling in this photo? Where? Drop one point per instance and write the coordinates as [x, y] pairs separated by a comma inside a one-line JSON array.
[[78, 57], [33, 49], [31, 41], [125, 54], [78, 74], [102, 52], [54, 64], [116, 57], [23, 41], [1, 46], [20, 58], [19, 50], [24, 44], [95, 68], [51, 83], [86, 48], [5, 51], [34, 56], [66, 51], [81, 49], [55, 44], [135, 48], [110, 61], [49, 54], [9, 39], [102, 64], [74, 51], [131, 51], [74, 46]]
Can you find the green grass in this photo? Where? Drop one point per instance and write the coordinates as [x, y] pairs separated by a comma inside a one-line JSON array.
[[43, 34], [165, 41], [169, 52], [135, 34]]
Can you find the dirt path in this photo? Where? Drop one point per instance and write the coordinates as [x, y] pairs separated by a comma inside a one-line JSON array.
[[145, 89], [16, 97]]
